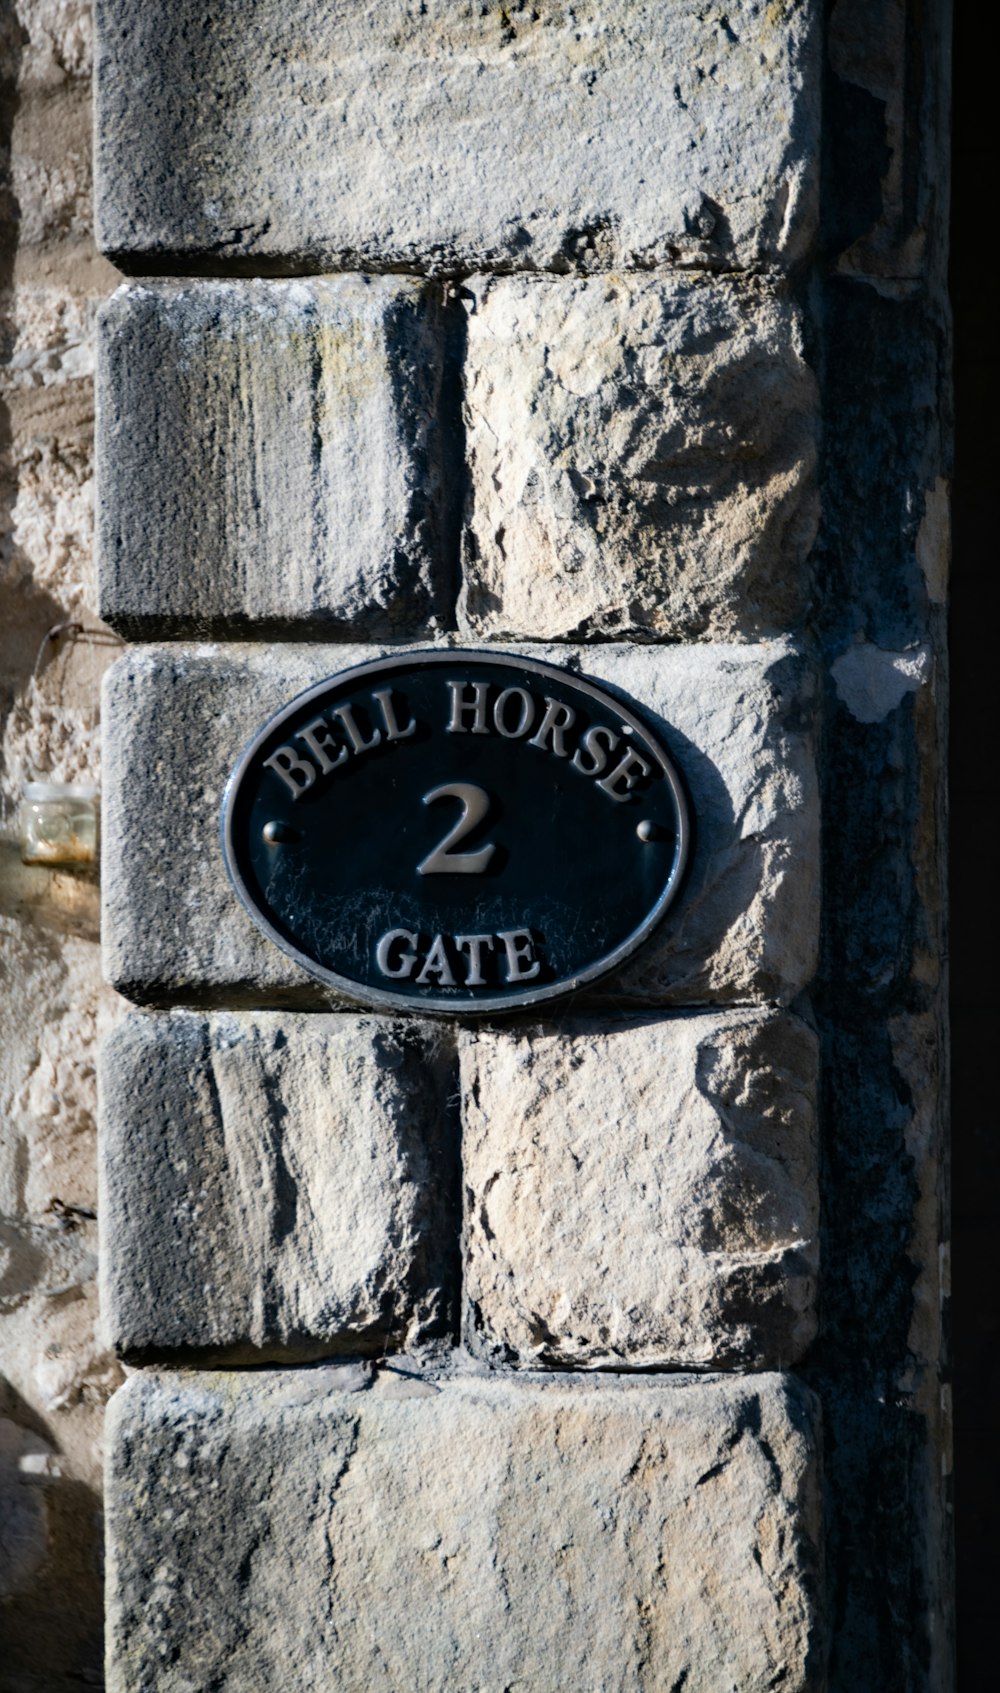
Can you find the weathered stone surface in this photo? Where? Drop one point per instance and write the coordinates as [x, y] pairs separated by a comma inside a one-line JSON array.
[[737, 721], [57, 1371], [472, 1534], [51, 174], [457, 135], [267, 457], [274, 1184], [642, 1194], [56, 41], [642, 456]]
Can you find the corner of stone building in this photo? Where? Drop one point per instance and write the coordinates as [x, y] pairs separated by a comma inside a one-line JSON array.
[[694, 440]]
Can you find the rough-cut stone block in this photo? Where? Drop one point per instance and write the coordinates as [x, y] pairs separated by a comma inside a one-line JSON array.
[[274, 1185], [267, 457], [736, 720], [276, 1534], [642, 454], [642, 1195], [463, 136]]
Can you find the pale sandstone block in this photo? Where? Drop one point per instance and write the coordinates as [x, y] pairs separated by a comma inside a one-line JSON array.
[[274, 1185], [736, 719], [457, 136], [642, 1195], [642, 457], [268, 457], [472, 1534]]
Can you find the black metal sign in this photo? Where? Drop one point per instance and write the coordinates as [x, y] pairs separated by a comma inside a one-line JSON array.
[[456, 831]]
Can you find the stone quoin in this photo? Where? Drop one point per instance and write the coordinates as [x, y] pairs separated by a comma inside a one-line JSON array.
[[519, 570]]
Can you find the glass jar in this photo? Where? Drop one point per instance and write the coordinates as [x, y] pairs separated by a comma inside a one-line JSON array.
[[58, 823]]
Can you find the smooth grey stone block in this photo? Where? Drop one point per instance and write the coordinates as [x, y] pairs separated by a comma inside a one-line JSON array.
[[268, 458], [445, 136], [275, 1185], [737, 720], [642, 1195], [291, 1532]]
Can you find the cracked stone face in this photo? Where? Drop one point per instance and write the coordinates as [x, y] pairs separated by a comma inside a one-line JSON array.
[[469, 1533], [642, 1195], [642, 456]]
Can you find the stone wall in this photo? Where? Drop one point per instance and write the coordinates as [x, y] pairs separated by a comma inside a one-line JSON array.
[[57, 1371], [594, 1351]]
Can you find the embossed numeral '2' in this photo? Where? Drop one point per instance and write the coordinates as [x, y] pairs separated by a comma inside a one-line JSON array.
[[443, 861]]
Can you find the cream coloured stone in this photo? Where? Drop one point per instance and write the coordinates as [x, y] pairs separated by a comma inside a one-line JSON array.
[[50, 168], [267, 457], [48, 390], [642, 454], [57, 1371], [448, 135], [736, 718], [273, 1185], [57, 40], [642, 1194], [275, 1534]]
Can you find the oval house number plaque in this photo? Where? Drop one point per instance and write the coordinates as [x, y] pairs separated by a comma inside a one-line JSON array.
[[455, 831]]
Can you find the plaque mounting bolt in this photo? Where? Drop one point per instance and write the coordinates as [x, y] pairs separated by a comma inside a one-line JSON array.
[[647, 830], [279, 834]]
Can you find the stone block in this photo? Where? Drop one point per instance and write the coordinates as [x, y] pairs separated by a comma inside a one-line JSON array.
[[459, 137], [642, 455], [274, 1185], [642, 1195], [474, 1534], [268, 457], [736, 719]]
